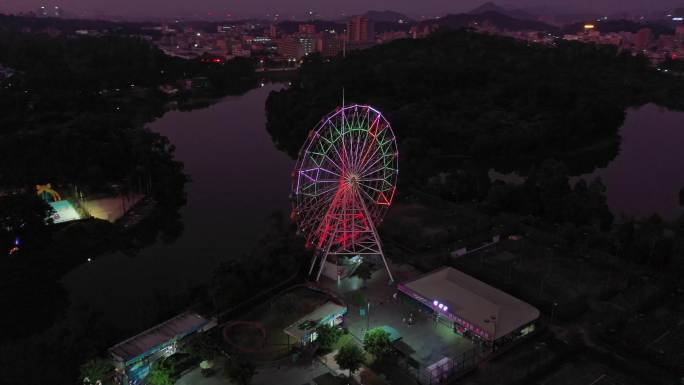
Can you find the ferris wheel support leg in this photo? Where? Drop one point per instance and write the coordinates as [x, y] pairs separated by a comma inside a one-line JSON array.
[[321, 267], [324, 257], [376, 235], [313, 262], [382, 255]]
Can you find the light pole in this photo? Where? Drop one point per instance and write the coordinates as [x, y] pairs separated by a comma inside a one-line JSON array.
[[368, 316], [553, 310]]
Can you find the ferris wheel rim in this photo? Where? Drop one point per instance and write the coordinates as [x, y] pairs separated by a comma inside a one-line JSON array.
[[299, 200]]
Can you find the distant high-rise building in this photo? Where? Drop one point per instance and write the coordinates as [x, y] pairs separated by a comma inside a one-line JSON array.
[[290, 48], [273, 31], [329, 44], [643, 38], [679, 34], [307, 29], [360, 29], [296, 47], [308, 44]]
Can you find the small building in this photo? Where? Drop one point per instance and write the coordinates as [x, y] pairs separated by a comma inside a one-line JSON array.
[[134, 357], [64, 211], [470, 306], [304, 330]]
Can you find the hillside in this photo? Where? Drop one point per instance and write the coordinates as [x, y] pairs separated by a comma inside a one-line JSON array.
[[514, 13], [492, 99], [386, 16], [501, 21]]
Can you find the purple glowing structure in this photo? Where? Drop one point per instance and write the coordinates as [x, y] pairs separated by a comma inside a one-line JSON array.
[[344, 183]]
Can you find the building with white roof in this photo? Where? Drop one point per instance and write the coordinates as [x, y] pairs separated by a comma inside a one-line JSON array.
[[471, 306]]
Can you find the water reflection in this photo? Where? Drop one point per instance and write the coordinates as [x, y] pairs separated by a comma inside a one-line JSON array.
[[237, 179], [648, 172], [646, 176]]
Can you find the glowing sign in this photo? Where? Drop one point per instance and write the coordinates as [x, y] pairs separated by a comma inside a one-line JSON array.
[[677, 18], [588, 26]]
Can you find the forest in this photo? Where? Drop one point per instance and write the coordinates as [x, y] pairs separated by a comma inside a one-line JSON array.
[[75, 110], [74, 114], [463, 95], [462, 103]]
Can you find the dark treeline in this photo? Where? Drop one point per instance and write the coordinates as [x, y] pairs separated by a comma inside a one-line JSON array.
[[34, 24], [495, 100], [74, 111], [74, 115]]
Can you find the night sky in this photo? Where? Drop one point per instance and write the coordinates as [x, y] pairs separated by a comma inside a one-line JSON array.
[[325, 8]]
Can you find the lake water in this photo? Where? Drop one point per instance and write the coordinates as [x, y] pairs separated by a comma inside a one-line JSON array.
[[238, 179], [646, 176]]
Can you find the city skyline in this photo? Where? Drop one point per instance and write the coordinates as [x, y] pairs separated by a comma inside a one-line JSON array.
[[301, 9]]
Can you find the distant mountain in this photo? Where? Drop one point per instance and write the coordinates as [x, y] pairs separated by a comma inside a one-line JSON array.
[[386, 16], [499, 20], [514, 13], [487, 7]]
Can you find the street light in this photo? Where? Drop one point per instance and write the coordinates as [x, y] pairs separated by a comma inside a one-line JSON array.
[[368, 316], [553, 310]]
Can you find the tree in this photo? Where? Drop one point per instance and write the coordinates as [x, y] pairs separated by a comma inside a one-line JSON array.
[[23, 219], [377, 342], [350, 357], [328, 336], [204, 346], [95, 371], [162, 373], [240, 370]]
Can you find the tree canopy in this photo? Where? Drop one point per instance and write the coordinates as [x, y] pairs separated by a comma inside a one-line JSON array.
[[240, 370], [494, 100], [162, 373], [96, 371], [350, 357], [377, 342], [328, 336]]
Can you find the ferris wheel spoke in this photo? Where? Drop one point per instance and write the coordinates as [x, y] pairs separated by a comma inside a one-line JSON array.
[[326, 191], [370, 200], [367, 180], [365, 148], [367, 169], [373, 157], [370, 187], [340, 158], [362, 122]]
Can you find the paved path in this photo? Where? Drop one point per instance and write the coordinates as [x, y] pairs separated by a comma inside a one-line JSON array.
[[266, 375]]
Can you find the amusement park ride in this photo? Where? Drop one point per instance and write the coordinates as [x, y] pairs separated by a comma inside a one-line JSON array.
[[343, 184]]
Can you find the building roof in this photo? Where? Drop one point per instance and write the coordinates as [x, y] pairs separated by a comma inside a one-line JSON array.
[[474, 301], [300, 328], [146, 341]]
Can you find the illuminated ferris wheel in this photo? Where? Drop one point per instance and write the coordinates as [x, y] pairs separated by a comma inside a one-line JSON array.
[[344, 182]]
